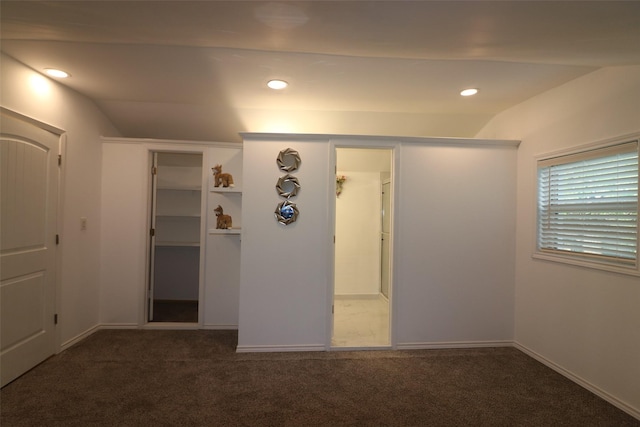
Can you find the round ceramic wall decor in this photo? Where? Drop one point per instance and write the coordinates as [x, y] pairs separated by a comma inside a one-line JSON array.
[[287, 186], [288, 160], [286, 212]]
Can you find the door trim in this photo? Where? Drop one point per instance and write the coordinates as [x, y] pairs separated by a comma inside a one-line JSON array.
[[62, 151], [158, 147]]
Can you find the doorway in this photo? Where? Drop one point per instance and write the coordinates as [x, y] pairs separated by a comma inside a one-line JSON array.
[[175, 244], [363, 247]]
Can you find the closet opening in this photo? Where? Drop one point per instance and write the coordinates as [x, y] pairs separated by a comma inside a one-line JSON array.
[[175, 243], [363, 247]]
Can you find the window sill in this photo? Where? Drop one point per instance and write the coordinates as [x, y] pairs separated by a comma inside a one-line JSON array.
[[631, 270]]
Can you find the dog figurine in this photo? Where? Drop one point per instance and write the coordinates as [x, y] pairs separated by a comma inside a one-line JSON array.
[[220, 178], [223, 221]]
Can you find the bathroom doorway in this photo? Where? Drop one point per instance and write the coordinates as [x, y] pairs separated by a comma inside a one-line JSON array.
[[363, 248]]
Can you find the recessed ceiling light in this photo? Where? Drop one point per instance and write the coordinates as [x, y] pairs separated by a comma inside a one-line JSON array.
[[56, 73], [277, 84], [469, 92]]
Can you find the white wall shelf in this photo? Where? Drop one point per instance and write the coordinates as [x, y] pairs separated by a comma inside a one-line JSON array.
[[224, 231], [230, 198], [233, 190]]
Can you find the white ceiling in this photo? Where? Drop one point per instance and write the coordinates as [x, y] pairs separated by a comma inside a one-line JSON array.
[[197, 70]]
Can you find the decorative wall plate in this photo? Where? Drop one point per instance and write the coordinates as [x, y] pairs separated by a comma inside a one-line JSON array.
[[286, 212], [288, 160], [288, 186]]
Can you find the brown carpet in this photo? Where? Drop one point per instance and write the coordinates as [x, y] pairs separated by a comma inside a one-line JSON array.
[[195, 378]]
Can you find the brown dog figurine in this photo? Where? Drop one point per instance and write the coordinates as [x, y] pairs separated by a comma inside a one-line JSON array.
[[226, 179], [223, 221]]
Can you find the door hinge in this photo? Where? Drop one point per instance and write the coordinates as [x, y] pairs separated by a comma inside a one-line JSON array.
[[55, 319], [59, 159], [154, 170], [57, 239], [334, 239], [152, 232], [332, 309]]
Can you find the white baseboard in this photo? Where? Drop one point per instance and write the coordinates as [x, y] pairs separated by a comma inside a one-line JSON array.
[[451, 344], [634, 412], [73, 341], [278, 348]]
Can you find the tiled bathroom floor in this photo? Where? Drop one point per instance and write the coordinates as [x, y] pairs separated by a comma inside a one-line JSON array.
[[360, 321]]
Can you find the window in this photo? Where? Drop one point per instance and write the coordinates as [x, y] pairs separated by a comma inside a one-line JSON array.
[[588, 206]]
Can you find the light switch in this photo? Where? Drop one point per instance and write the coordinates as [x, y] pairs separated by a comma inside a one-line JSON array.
[[83, 223]]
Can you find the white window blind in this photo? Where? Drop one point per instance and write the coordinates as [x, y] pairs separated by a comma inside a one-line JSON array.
[[588, 204]]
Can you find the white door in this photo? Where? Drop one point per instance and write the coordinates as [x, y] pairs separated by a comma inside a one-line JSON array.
[[28, 215]]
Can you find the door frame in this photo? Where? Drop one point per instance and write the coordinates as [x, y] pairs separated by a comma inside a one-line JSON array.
[[153, 200], [384, 182], [378, 143], [62, 151]]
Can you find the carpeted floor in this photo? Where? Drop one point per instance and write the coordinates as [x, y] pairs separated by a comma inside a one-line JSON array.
[[195, 378]]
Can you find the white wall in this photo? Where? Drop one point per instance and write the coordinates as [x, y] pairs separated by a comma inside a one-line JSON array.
[[358, 221], [284, 268], [125, 227], [586, 322], [30, 93], [454, 246]]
